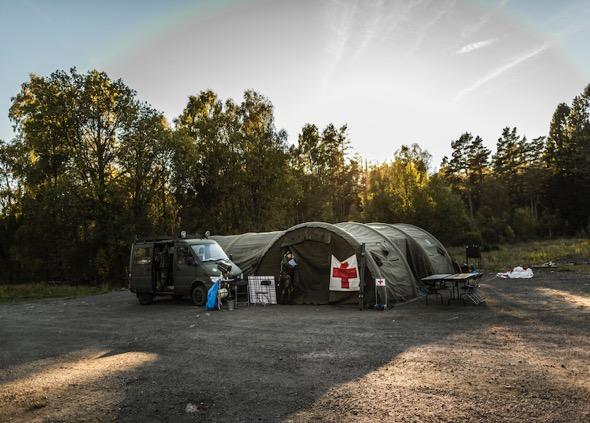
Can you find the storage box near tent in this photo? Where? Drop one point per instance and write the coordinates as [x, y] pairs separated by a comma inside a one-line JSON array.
[[400, 254]]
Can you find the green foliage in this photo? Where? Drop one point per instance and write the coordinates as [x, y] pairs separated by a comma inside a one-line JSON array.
[[447, 217], [87, 160], [231, 165], [395, 189], [466, 169], [533, 188], [523, 224], [91, 166], [404, 191], [568, 163], [328, 180]]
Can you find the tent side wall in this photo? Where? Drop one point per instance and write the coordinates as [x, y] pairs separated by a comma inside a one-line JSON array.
[[390, 262], [246, 248], [439, 257], [418, 259]]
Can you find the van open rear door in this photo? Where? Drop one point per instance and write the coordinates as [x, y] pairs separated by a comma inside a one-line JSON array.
[[140, 274]]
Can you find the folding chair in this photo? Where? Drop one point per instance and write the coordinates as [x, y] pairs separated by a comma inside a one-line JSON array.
[[241, 293], [471, 292], [434, 289]]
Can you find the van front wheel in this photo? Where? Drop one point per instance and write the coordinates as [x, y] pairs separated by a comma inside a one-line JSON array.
[[145, 299], [199, 295]]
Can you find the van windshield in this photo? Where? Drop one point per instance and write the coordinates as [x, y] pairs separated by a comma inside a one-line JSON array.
[[209, 252]]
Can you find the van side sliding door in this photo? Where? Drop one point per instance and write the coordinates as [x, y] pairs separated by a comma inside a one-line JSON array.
[[184, 269]]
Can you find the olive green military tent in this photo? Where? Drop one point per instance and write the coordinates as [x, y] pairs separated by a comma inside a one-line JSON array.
[[424, 253], [245, 249], [393, 254]]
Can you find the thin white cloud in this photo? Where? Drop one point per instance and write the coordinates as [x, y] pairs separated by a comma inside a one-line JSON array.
[[499, 71], [472, 29], [342, 34], [371, 29], [476, 46], [483, 20], [384, 19], [444, 10]]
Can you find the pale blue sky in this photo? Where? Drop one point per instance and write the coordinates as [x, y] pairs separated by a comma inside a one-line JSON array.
[[395, 71]]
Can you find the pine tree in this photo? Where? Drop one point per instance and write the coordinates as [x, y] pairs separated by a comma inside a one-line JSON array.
[[557, 138], [466, 169], [509, 155], [567, 158]]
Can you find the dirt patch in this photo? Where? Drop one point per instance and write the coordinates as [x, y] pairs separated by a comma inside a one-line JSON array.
[[524, 356]]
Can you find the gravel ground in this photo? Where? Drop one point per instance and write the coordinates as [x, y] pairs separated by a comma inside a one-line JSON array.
[[523, 356]]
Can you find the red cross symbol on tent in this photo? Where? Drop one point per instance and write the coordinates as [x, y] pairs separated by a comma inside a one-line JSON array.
[[344, 273]]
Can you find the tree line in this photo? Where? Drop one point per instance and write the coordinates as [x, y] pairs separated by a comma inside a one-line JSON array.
[[91, 166]]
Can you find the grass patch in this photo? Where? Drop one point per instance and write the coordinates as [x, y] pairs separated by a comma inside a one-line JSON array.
[[563, 252], [34, 291]]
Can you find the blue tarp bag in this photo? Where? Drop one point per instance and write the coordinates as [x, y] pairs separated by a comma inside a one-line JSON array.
[[212, 297]]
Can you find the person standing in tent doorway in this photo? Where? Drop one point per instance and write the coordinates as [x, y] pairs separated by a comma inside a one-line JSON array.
[[287, 278]]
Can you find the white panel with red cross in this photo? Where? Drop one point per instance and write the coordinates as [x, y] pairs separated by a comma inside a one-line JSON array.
[[344, 276]]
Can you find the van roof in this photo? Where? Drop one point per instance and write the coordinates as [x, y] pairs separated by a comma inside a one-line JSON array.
[[185, 240]]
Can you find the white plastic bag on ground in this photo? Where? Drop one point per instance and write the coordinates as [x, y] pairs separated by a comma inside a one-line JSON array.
[[517, 273]]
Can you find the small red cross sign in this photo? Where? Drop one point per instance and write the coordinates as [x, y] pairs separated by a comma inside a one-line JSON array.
[[344, 274]]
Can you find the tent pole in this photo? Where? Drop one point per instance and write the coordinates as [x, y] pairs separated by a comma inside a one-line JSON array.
[[362, 281]]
